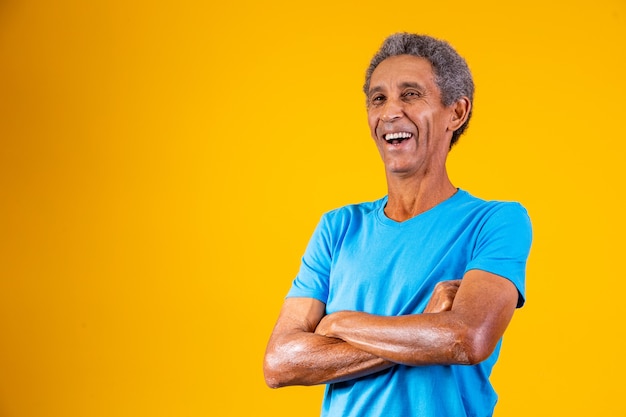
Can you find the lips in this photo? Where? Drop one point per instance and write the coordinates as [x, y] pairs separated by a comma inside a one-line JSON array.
[[397, 137]]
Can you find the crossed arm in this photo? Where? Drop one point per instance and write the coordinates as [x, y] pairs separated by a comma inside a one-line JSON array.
[[461, 325]]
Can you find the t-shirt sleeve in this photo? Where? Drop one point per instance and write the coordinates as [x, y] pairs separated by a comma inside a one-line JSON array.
[[312, 278], [503, 245]]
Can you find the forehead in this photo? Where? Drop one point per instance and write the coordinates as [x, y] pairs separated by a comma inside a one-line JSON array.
[[400, 69]]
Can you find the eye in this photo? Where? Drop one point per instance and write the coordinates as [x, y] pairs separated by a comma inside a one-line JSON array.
[[411, 94], [377, 99]]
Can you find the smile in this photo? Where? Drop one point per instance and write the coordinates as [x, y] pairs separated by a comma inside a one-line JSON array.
[[397, 137]]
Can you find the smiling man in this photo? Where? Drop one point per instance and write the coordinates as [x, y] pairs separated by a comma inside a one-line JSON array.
[[400, 304]]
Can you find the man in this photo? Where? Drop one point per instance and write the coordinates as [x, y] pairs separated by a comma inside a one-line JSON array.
[[375, 311]]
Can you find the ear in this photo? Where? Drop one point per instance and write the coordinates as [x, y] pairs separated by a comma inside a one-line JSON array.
[[460, 112]]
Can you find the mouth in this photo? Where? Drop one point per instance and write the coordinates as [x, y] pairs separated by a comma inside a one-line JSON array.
[[397, 137]]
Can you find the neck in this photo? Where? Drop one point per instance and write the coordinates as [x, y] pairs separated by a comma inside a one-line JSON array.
[[409, 197]]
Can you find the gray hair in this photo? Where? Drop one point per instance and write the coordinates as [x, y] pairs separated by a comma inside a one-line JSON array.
[[452, 74]]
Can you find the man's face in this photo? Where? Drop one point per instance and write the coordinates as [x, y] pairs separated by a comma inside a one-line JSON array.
[[408, 122]]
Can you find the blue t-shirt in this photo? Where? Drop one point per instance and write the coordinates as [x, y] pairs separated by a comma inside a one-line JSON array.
[[358, 259]]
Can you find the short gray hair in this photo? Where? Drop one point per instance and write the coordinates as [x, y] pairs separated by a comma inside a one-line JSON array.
[[452, 75]]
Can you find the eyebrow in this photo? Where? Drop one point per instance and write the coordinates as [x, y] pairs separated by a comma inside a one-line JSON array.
[[403, 85]]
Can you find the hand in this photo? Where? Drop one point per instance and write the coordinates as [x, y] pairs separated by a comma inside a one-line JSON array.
[[443, 296], [325, 326]]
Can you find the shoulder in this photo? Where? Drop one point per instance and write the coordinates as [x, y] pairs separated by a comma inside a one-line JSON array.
[[493, 219], [336, 224], [503, 223], [493, 209], [353, 212]]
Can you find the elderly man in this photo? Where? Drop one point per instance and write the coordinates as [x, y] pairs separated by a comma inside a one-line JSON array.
[[376, 310]]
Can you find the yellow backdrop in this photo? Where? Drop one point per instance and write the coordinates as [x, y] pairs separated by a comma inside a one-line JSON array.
[[164, 163]]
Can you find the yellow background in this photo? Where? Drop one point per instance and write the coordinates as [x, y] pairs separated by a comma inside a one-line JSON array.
[[164, 163]]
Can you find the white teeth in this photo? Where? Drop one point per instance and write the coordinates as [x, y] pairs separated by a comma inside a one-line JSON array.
[[398, 135]]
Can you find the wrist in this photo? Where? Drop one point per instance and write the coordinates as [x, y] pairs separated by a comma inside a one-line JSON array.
[[339, 322]]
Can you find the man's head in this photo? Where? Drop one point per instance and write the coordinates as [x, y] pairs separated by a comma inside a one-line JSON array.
[[452, 75]]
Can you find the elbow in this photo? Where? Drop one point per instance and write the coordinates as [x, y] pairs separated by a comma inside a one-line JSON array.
[[272, 373], [472, 348], [275, 371], [282, 365], [271, 378], [272, 381]]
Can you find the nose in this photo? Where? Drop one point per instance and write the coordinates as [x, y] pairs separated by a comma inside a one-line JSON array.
[[391, 111]]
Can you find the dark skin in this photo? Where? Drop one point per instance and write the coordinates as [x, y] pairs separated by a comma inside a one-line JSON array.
[[462, 335], [464, 319], [318, 359]]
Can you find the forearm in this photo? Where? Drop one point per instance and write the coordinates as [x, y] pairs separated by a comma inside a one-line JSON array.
[[420, 339], [305, 358], [466, 334]]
